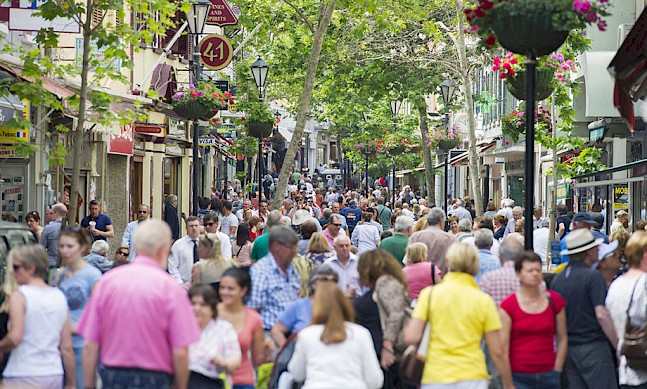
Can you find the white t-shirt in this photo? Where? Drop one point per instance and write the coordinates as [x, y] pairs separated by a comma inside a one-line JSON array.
[[219, 338], [349, 364], [227, 223], [617, 302]]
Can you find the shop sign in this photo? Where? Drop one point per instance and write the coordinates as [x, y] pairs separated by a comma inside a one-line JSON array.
[[568, 158], [621, 197], [121, 142], [227, 130], [10, 135], [205, 141], [216, 51], [7, 151], [177, 128], [149, 129], [563, 191], [221, 14], [172, 148]]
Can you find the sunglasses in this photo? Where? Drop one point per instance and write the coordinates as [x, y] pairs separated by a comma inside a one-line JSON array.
[[209, 224], [16, 267], [337, 224], [122, 253], [144, 212]]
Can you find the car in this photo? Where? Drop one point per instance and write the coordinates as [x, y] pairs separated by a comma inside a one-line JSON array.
[[326, 174], [13, 235]]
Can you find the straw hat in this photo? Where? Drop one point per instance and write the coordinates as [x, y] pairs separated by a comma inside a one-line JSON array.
[[579, 241]]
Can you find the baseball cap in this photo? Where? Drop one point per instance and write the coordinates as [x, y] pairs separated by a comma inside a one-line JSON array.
[[584, 217]]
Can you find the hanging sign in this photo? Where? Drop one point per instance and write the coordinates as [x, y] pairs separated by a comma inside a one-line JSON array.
[[221, 14], [621, 197], [215, 51]]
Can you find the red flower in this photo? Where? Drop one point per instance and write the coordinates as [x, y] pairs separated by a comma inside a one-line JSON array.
[[194, 94], [243, 119], [479, 13], [490, 41], [502, 75], [514, 61], [486, 5]]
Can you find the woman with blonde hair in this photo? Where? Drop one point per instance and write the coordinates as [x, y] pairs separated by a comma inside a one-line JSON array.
[[420, 225], [419, 272], [318, 250], [382, 309], [212, 264], [460, 315], [334, 352]]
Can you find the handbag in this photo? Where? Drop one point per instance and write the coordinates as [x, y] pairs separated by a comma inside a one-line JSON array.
[[413, 360], [634, 344]]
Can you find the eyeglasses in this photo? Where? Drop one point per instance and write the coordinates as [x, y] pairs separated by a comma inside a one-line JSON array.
[[122, 253], [209, 224], [337, 224], [16, 267]]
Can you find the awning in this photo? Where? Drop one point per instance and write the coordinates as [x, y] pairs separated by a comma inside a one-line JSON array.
[[629, 68], [459, 159], [164, 82], [50, 85]]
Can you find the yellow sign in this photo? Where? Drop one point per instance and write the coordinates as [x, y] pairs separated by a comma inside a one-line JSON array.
[[25, 110], [621, 196], [7, 152], [10, 135], [232, 107]]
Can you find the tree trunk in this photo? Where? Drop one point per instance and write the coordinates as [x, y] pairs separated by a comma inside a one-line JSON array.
[[430, 177], [80, 124], [475, 170], [304, 106]]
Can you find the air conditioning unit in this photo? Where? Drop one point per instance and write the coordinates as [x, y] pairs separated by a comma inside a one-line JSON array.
[[623, 31]]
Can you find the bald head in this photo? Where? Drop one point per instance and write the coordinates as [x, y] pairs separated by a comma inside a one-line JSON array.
[[153, 239], [60, 210]]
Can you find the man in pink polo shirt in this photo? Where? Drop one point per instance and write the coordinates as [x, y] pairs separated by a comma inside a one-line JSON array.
[[140, 320]]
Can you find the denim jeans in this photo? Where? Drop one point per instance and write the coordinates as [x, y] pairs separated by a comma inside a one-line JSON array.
[[547, 380], [78, 365], [130, 378], [244, 387]]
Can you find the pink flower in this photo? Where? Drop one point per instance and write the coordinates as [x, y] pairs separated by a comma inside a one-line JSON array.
[[191, 86], [581, 6], [518, 124], [520, 114], [602, 25], [592, 16]]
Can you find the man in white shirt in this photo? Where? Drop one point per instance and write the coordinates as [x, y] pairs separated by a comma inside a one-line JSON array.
[[345, 264], [229, 222], [184, 252], [247, 205], [127, 239], [540, 238], [210, 223]]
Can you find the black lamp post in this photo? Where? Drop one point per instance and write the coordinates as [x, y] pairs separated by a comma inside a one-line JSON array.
[[196, 18], [260, 69], [447, 89], [395, 110], [365, 114], [529, 175]]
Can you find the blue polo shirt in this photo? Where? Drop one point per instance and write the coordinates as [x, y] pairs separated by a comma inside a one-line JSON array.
[[101, 220]]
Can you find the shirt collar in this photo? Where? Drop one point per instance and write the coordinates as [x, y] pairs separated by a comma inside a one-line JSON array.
[[509, 264], [460, 278], [275, 266], [484, 251]]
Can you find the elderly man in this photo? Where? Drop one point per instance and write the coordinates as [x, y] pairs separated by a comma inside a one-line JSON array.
[[540, 239], [621, 219], [396, 244], [184, 252], [210, 223], [435, 238], [131, 228], [247, 206], [334, 229], [345, 264], [460, 212], [502, 282], [275, 279], [537, 218], [51, 232], [335, 210], [487, 261], [589, 361], [506, 208], [98, 256], [139, 321], [517, 214]]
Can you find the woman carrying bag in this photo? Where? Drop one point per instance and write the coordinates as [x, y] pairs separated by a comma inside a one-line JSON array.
[[460, 315]]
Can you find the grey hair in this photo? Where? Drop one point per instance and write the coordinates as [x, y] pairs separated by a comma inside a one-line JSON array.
[[436, 216], [460, 202], [327, 212], [509, 249], [403, 223], [323, 270], [273, 219], [151, 235], [282, 235], [545, 223], [334, 217], [507, 202], [517, 209], [465, 225], [285, 221], [100, 247], [483, 238], [171, 198]]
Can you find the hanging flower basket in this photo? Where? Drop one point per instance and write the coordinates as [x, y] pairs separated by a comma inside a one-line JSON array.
[[259, 129], [448, 144], [192, 109], [397, 150], [543, 78], [529, 32], [369, 149]]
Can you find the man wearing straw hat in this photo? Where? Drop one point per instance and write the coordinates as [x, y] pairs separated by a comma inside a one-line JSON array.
[[589, 362]]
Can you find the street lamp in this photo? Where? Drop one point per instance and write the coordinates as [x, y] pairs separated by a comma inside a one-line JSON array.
[[366, 117], [395, 109], [447, 89], [196, 18], [260, 69]]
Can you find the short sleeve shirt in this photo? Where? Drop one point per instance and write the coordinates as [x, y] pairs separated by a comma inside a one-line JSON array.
[[583, 289], [218, 338], [298, 315], [77, 292], [101, 220], [227, 223]]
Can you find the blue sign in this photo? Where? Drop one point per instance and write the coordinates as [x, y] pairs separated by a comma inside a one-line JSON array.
[[555, 248]]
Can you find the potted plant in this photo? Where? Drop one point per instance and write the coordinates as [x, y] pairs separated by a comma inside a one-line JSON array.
[[199, 101], [368, 148], [537, 25], [550, 70], [513, 124], [259, 118], [444, 139], [394, 144], [244, 147]]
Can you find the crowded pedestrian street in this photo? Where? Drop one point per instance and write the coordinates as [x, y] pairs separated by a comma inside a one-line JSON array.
[[282, 194]]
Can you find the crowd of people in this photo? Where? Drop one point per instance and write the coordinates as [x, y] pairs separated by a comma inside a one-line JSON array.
[[342, 282]]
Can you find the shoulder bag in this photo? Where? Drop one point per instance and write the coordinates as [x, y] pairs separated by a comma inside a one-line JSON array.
[[413, 360], [634, 344]]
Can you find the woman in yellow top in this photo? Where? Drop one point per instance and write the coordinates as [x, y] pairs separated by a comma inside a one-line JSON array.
[[460, 316]]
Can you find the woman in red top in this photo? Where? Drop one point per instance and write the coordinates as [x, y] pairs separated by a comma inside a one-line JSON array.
[[531, 321], [255, 223]]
